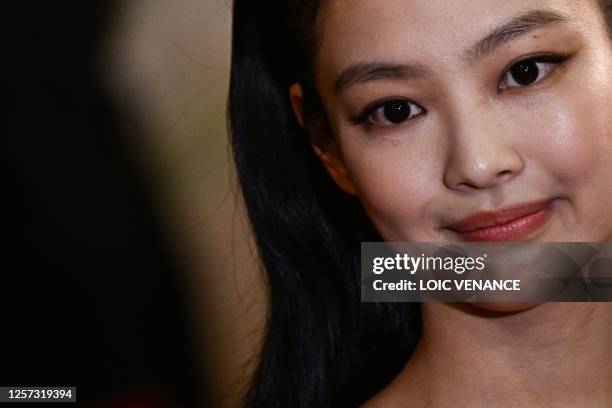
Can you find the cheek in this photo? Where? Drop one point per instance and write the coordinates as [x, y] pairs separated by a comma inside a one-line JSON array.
[[395, 183], [579, 139], [584, 124], [571, 145], [564, 141], [590, 172]]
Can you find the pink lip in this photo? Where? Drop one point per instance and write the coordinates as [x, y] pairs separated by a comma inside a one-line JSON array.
[[505, 224]]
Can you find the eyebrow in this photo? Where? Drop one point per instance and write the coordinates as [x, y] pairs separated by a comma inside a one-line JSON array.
[[363, 72], [513, 29]]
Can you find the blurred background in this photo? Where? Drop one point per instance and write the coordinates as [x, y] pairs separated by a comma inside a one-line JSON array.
[[135, 278]]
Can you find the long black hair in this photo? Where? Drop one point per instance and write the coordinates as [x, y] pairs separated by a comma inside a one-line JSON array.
[[323, 347]]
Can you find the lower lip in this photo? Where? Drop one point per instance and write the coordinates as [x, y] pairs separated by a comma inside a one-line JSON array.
[[513, 231]]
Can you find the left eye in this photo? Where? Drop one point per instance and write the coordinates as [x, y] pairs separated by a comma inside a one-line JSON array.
[[393, 112], [529, 72]]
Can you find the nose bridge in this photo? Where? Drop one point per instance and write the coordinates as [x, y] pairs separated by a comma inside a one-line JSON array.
[[481, 154]]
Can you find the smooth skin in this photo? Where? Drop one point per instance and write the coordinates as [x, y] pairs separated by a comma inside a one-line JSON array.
[[477, 138]]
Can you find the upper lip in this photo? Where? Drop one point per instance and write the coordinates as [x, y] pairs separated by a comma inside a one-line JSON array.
[[487, 219]]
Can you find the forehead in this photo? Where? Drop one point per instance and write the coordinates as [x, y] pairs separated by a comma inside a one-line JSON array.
[[424, 31]]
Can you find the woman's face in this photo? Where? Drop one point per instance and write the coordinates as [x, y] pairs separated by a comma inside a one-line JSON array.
[[468, 119]]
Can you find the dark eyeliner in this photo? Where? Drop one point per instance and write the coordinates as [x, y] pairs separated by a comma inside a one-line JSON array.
[[364, 115], [551, 58]]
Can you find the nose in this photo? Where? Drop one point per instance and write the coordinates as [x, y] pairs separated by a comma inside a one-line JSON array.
[[482, 154]]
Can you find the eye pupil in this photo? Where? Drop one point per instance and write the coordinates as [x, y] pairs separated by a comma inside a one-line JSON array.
[[525, 72], [397, 111]]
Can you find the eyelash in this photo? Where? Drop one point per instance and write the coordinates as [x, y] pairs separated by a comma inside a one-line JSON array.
[[552, 59], [368, 111]]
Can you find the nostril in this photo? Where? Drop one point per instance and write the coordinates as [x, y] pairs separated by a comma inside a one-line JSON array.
[[504, 174]]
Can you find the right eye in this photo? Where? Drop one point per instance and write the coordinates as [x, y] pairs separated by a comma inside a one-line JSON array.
[[390, 113]]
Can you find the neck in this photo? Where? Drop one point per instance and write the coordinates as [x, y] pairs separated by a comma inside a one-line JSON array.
[[555, 354]]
